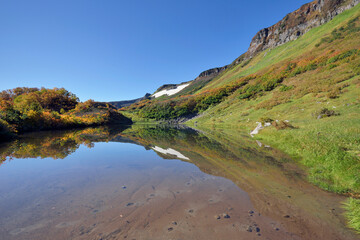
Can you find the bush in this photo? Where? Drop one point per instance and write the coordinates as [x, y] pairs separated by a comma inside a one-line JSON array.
[[249, 91], [5, 128], [285, 88], [324, 112], [271, 84]]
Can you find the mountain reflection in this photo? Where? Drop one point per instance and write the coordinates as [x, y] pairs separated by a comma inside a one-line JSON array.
[[276, 185]]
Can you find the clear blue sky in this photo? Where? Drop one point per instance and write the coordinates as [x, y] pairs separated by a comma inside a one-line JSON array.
[[115, 50]]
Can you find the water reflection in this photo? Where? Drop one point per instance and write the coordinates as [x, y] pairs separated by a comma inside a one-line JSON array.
[[224, 186]]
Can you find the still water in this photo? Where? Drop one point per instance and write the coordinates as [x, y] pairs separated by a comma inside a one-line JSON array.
[[158, 183]]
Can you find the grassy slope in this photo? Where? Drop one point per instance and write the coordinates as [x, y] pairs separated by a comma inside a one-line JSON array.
[[329, 147]]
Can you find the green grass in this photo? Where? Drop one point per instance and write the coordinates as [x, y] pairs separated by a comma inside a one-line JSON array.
[[353, 213]]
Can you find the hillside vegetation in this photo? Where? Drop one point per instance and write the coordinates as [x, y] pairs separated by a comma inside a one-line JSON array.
[[28, 109], [311, 86]]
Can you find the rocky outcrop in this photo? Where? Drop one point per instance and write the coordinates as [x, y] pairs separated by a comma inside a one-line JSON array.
[[207, 75], [167, 86], [211, 72], [297, 23]]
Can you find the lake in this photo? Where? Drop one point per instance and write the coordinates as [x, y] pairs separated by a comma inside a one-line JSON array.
[[159, 182]]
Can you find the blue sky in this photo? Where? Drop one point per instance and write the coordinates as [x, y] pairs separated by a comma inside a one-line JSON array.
[[116, 50]]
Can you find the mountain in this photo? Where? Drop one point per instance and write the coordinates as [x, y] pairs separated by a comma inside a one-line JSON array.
[[290, 28], [301, 37]]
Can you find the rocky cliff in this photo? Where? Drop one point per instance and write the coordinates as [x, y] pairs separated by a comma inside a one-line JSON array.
[[209, 74], [297, 23]]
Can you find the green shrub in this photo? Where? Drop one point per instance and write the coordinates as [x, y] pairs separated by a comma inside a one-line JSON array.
[[285, 88], [249, 91], [271, 84]]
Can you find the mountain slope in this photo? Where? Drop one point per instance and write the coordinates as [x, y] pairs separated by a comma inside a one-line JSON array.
[[290, 28]]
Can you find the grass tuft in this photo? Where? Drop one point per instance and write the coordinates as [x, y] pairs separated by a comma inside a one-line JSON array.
[[353, 213]]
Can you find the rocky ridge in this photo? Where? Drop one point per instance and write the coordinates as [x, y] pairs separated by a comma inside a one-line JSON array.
[[297, 23]]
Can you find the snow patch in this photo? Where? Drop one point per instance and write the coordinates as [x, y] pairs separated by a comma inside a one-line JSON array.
[[170, 92], [170, 151]]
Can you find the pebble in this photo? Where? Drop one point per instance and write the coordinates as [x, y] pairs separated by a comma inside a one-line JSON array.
[[257, 229], [170, 229], [251, 212], [129, 204], [286, 216], [174, 223], [123, 187], [217, 217], [225, 215], [191, 211]]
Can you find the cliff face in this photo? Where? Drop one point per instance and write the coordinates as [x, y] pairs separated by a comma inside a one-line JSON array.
[[210, 74], [297, 23]]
